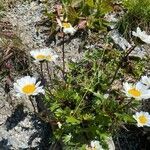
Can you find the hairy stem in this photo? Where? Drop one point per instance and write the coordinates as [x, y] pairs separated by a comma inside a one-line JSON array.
[[48, 71], [127, 104], [41, 69], [120, 64], [80, 103], [63, 56], [32, 104]]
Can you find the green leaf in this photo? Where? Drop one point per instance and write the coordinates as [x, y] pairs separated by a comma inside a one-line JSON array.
[[125, 117], [72, 120], [54, 106], [128, 118], [90, 3], [59, 112], [72, 14]]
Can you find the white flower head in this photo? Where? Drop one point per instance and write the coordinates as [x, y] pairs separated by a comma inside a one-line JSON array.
[[43, 54], [142, 118], [68, 28], [106, 95], [95, 145], [59, 125], [28, 86], [142, 35], [146, 80], [137, 91]]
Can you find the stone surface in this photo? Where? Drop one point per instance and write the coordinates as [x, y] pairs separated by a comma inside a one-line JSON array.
[[119, 40], [22, 130], [139, 51], [24, 17], [112, 18], [19, 127]]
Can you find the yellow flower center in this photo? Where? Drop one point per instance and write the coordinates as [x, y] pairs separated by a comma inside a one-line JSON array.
[[40, 57], [29, 89], [49, 57], [134, 92], [142, 119], [66, 25]]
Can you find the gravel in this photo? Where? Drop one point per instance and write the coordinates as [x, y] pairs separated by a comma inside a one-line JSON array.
[[19, 127], [24, 17]]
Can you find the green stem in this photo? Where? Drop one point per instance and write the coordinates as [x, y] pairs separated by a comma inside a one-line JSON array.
[[48, 71], [120, 64], [127, 104], [41, 69], [32, 104], [80, 103], [63, 55]]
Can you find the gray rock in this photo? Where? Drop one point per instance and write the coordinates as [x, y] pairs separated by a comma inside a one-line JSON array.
[[112, 19], [119, 40], [23, 130], [139, 51], [19, 127]]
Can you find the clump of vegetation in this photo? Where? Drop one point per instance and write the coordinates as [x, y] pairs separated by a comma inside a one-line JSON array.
[[90, 10], [81, 14], [137, 14], [85, 106]]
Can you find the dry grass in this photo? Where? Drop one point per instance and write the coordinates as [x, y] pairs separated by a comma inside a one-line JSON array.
[[13, 58]]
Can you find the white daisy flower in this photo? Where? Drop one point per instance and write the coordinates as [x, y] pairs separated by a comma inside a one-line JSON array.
[[146, 80], [142, 35], [59, 124], [43, 54], [67, 28], [137, 91], [28, 86], [95, 145], [142, 118]]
